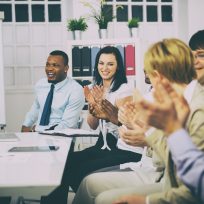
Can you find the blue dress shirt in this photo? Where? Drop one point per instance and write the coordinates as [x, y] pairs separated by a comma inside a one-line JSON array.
[[68, 101], [189, 161]]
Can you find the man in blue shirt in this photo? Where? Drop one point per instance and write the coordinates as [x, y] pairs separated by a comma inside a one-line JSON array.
[[68, 97]]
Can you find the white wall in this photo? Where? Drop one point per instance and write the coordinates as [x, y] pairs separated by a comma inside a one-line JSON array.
[[195, 16], [18, 102], [182, 20]]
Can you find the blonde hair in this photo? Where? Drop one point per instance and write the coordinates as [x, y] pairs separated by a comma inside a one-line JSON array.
[[172, 58]]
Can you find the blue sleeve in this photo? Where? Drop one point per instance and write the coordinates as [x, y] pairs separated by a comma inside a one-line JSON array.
[[189, 161], [32, 115]]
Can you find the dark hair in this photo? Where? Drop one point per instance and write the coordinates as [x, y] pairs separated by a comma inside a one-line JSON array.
[[197, 40], [120, 76], [61, 53]]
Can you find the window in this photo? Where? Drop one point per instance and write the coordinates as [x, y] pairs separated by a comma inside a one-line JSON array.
[[145, 10], [122, 14], [18, 10], [21, 12], [54, 13], [137, 12], [6, 8], [166, 13], [152, 14], [38, 13]]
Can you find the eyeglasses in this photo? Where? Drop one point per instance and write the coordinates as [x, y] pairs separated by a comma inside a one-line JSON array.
[[198, 55]]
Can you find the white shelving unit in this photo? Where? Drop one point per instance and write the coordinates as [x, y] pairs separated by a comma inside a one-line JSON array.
[[136, 42]]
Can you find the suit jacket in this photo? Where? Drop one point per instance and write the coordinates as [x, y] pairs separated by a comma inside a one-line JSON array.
[[175, 192]]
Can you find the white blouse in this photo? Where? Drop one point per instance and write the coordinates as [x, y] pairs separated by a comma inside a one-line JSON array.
[[108, 127]]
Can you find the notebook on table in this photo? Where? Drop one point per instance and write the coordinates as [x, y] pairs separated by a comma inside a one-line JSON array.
[[8, 137], [71, 133]]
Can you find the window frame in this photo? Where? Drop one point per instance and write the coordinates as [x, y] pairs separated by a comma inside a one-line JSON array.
[[30, 3], [144, 4]]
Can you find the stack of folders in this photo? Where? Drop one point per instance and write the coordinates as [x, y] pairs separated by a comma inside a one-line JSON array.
[[69, 132], [83, 59]]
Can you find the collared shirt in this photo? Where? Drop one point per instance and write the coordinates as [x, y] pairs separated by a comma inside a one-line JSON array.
[[68, 101], [189, 161]]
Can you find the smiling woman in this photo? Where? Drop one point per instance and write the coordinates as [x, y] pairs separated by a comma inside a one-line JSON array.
[[107, 67]]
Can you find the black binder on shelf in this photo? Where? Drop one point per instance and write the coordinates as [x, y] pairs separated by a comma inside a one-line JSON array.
[[94, 52], [86, 61], [76, 62]]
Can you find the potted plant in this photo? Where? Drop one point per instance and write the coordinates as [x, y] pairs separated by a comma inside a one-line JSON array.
[[101, 14], [102, 20], [133, 25], [77, 26]]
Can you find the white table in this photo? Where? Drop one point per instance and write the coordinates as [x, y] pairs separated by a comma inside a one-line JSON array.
[[32, 174]]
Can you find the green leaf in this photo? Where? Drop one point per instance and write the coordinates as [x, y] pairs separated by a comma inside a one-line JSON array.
[[133, 23], [77, 24]]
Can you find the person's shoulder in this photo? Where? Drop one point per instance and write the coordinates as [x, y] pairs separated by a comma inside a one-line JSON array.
[[126, 87], [73, 84], [198, 96], [199, 86], [198, 90]]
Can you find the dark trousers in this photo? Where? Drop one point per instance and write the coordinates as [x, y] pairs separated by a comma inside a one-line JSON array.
[[80, 164]]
